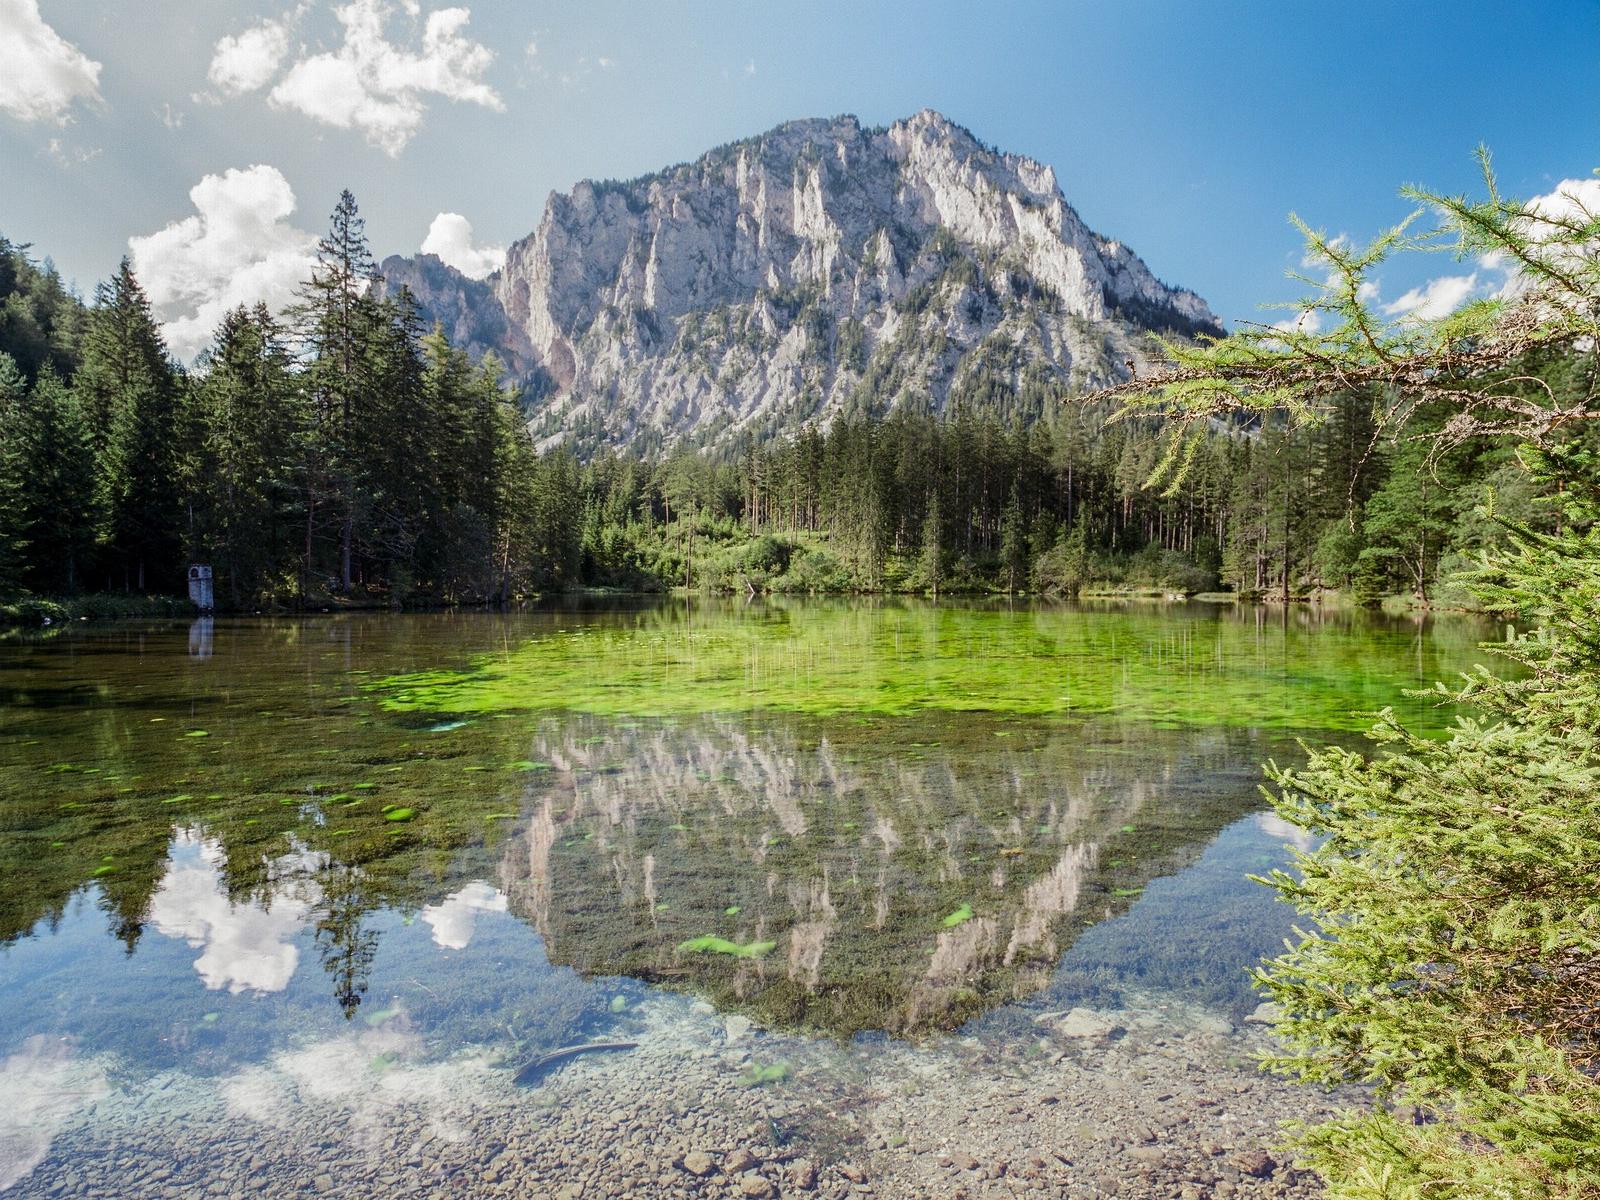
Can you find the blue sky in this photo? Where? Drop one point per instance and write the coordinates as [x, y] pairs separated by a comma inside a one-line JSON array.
[[1188, 131]]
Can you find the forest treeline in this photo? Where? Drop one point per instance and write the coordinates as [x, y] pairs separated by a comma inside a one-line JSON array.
[[344, 453]]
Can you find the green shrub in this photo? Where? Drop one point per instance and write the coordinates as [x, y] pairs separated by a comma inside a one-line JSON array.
[[1453, 958]]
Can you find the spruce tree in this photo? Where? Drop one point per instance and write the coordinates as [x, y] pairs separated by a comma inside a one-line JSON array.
[[14, 467], [930, 560], [245, 480], [129, 395], [337, 323], [1451, 927], [56, 516], [1014, 543]]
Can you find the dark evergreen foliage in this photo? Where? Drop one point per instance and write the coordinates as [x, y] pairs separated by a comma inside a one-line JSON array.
[[349, 456]]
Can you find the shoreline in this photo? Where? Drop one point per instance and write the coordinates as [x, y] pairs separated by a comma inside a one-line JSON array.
[[44, 612], [978, 1114]]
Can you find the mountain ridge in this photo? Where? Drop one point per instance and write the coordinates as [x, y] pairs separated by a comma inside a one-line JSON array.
[[816, 269]]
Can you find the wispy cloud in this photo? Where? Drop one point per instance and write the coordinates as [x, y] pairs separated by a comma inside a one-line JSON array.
[[65, 154], [42, 75]]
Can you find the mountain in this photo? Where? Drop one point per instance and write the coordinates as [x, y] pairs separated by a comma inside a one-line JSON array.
[[817, 269]]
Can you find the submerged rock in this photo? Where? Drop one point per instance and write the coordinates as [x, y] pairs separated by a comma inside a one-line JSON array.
[[698, 1162]]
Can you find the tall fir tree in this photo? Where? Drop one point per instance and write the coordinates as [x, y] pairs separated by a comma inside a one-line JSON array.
[[245, 474], [337, 319], [129, 395], [55, 517]]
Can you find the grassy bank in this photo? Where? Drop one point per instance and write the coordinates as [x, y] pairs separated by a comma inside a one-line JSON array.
[[52, 610]]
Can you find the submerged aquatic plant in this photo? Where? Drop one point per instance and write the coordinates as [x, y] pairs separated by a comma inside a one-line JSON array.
[[717, 945], [960, 916], [758, 1075], [899, 661]]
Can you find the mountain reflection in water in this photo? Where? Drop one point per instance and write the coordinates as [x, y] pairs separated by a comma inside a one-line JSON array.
[[899, 889], [832, 843]]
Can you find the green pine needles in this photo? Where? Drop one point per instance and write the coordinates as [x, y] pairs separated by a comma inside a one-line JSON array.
[[1452, 952], [1455, 954]]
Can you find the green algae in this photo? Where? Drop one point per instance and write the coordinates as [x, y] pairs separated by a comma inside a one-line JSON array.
[[759, 1075], [399, 814], [959, 917], [710, 944], [897, 660], [922, 770]]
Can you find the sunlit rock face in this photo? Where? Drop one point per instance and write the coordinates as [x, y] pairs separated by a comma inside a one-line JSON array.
[[812, 270], [849, 889]]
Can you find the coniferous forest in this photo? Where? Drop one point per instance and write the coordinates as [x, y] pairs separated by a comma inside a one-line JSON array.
[[344, 453], [807, 671]]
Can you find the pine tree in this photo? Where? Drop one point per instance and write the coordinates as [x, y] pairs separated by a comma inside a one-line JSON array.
[[244, 484], [338, 321], [129, 396], [56, 518]]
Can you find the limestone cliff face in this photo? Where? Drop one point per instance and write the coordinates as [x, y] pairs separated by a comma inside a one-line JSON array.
[[816, 269]]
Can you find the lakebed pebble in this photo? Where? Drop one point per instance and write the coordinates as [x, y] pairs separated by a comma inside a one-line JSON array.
[[1132, 1104]]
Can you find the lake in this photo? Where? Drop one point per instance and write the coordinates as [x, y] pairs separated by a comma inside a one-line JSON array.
[[888, 898]]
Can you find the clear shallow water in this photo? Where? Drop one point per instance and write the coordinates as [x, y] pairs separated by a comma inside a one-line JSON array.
[[256, 870]]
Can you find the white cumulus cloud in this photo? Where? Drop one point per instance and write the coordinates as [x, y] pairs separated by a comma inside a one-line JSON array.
[[1437, 298], [378, 88], [244, 62], [455, 919], [44, 1085], [1549, 225], [41, 74], [244, 947], [1307, 320], [450, 237], [239, 247]]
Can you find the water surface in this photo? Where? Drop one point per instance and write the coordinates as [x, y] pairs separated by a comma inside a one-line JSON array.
[[254, 867]]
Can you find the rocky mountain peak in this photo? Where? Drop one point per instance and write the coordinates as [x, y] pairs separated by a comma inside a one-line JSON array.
[[818, 268]]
